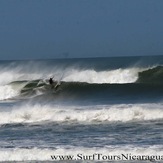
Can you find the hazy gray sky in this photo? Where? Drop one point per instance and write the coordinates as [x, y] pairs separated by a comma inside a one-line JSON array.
[[80, 28]]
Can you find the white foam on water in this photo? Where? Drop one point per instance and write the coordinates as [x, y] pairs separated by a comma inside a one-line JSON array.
[[29, 113], [6, 92], [129, 75]]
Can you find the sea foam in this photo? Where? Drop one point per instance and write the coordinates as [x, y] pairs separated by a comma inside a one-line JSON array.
[[84, 114], [70, 74]]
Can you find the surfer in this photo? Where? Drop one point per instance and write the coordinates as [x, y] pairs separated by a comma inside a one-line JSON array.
[[51, 81]]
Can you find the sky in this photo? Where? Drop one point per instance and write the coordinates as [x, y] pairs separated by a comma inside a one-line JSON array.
[[45, 29]]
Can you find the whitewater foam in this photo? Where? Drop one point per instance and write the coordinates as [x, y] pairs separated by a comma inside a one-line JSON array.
[[70, 74], [129, 75], [10, 91], [7, 92], [89, 114], [18, 72]]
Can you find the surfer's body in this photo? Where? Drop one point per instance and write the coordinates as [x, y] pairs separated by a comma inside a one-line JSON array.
[[51, 82]]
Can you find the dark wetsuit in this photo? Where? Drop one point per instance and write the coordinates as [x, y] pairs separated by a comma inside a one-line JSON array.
[[51, 81]]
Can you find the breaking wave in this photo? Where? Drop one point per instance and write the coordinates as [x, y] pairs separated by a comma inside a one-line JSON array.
[[72, 74], [129, 75], [19, 82], [119, 76], [92, 114]]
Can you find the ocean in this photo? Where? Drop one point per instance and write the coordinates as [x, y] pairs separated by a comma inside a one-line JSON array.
[[102, 110]]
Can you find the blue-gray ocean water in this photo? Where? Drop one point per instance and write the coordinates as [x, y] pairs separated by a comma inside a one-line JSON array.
[[97, 110]]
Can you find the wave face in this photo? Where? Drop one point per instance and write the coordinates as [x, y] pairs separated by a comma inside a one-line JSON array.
[[81, 79], [151, 75]]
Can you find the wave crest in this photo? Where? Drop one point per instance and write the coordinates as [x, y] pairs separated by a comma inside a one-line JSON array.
[[92, 114], [111, 76]]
